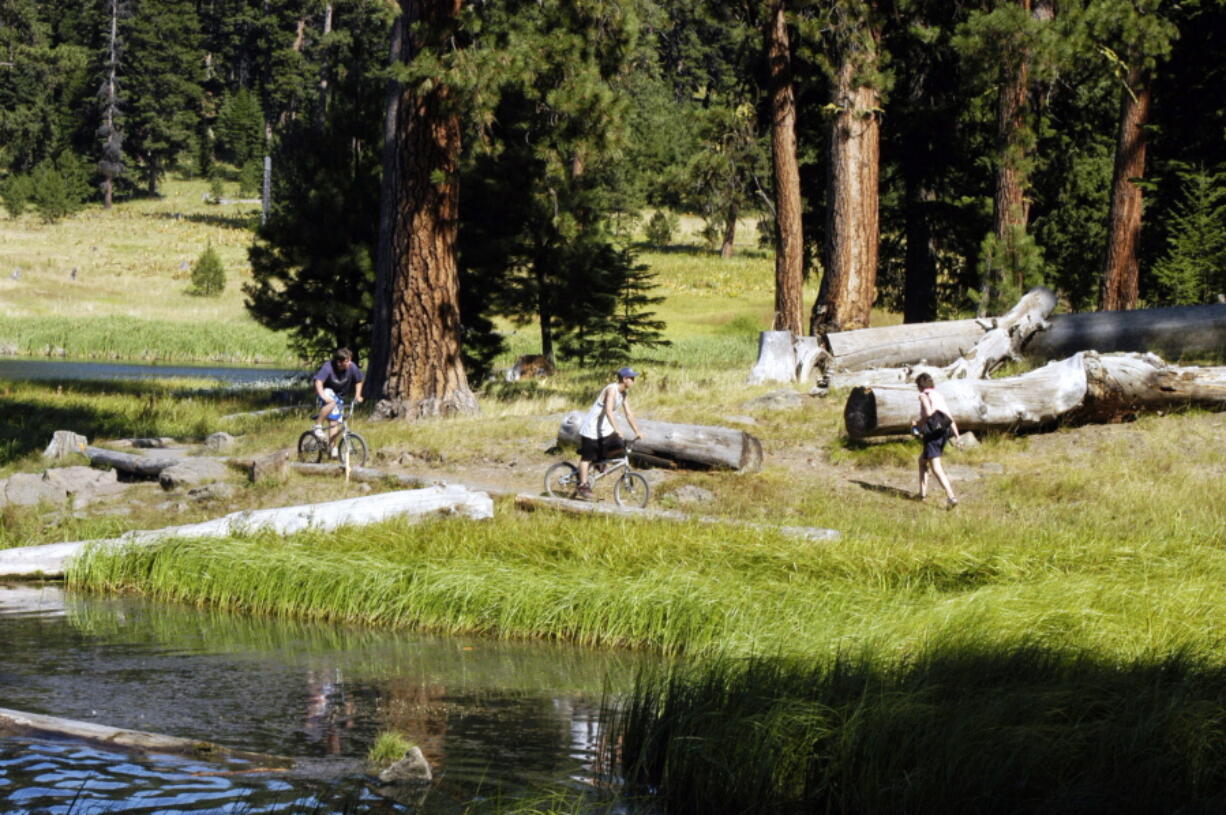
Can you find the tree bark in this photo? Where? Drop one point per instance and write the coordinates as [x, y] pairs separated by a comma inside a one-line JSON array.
[[1120, 273], [849, 284], [776, 358], [424, 371], [687, 444], [142, 466], [727, 247], [1172, 332], [789, 233]]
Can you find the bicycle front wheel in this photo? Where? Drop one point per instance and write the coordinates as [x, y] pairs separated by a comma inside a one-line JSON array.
[[631, 490], [310, 449], [352, 450], [561, 480]]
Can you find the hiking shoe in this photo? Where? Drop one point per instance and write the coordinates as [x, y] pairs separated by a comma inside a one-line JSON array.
[[319, 433], [951, 503], [583, 492]]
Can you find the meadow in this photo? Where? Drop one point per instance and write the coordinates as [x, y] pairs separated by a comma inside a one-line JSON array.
[[1055, 643]]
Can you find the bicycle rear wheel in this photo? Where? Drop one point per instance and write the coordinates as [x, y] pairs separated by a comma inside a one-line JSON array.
[[561, 480], [631, 490], [310, 449], [353, 448]]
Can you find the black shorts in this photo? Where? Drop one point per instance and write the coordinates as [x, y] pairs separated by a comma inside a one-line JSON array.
[[934, 443], [597, 449]]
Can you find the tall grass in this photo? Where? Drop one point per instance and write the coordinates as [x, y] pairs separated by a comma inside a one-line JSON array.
[[961, 726]]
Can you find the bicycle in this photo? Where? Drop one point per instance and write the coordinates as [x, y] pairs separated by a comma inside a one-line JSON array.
[[631, 489], [350, 446]]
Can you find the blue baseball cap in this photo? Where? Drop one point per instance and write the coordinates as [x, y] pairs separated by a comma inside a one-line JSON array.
[[625, 373]]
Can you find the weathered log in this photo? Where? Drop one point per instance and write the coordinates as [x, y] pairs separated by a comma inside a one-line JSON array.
[[143, 466], [935, 344], [50, 560], [1085, 387], [1002, 342], [1015, 403], [776, 358], [1169, 332], [529, 502], [13, 722], [689, 445]]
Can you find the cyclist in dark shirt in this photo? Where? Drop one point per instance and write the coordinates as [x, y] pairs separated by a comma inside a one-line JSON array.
[[335, 378]]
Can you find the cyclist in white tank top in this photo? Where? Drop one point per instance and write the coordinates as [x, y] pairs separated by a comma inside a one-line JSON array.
[[599, 431]]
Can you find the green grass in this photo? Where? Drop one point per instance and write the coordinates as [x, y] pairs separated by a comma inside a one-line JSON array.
[[388, 748]]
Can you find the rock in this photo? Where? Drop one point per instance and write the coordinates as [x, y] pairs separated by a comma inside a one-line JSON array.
[[65, 443], [967, 441], [749, 420], [191, 472], [412, 769], [776, 400], [219, 441], [217, 491], [690, 494], [273, 465], [85, 483], [28, 489]]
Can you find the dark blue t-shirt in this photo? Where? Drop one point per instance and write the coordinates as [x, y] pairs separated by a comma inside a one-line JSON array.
[[341, 382]]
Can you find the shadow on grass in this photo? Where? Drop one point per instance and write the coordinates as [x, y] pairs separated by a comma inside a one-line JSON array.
[[885, 489], [978, 727], [246, 222]]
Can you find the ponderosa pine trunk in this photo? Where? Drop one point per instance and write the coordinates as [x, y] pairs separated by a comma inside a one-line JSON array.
[[789, 234], [729, 242], [424, 370], [849, 285], [1120, 273]]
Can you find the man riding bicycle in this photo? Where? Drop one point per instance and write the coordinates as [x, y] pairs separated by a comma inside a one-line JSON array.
[[599, 437], [335, 378]]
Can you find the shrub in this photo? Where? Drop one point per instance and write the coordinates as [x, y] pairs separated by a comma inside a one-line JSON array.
[[217, 188], [389, 747], [59, 188], [15, 191], [251, 178], [208, 275], [661, 227]]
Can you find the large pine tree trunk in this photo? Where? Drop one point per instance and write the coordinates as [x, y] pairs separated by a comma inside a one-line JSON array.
[[424, 370], [1120, 273], [726, 248], [849, 284], [789, 234]]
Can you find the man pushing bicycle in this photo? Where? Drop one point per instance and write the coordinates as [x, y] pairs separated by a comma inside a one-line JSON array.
[[599, 437], [334, 380]]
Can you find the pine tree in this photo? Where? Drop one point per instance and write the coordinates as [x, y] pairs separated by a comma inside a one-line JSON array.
[[1193, 270], [208, 274], [111, 163], [240, 128], [165, 62]]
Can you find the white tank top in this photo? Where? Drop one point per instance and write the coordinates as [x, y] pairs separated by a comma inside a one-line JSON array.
[[596, 425]]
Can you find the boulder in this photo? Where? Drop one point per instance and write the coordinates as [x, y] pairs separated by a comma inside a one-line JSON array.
[[273, 465], [191, 472], [219, 442], [85, 483], [217, 491], [65, 443], [776, 400], [28, 489], [412, 769], [689, 494]]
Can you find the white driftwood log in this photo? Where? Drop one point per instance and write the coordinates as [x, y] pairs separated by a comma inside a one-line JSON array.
[[1085, 387], [936, 344], [1002, 341], [50, 560], [776, 358], [1015, 403], [690, 445], [524, 501]]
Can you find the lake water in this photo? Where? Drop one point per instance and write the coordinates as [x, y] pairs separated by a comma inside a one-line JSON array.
[[494, 719], [72, 370]]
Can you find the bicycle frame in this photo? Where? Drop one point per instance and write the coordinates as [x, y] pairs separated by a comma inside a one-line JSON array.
[[610, 466]]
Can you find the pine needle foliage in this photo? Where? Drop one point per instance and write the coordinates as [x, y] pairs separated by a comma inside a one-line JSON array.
[[208, 274], [1193, 270]]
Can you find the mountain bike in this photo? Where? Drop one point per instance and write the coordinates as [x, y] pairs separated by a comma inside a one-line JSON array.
[[350, 446], [629, 490]]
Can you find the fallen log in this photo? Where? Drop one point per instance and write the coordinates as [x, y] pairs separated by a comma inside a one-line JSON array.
[[1002, 342], [1085, 387], [50, 560], [935, 344], [142, 466], [529, 502], [1015, 403], [17, 722], [688, 445], [1169, 332]]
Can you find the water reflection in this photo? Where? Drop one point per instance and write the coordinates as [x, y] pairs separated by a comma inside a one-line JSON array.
[[488, 715]]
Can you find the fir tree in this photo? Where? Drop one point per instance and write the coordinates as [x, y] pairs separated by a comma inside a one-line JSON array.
[[58, 188], [1193, 270], [208, 275], [240, 128]]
